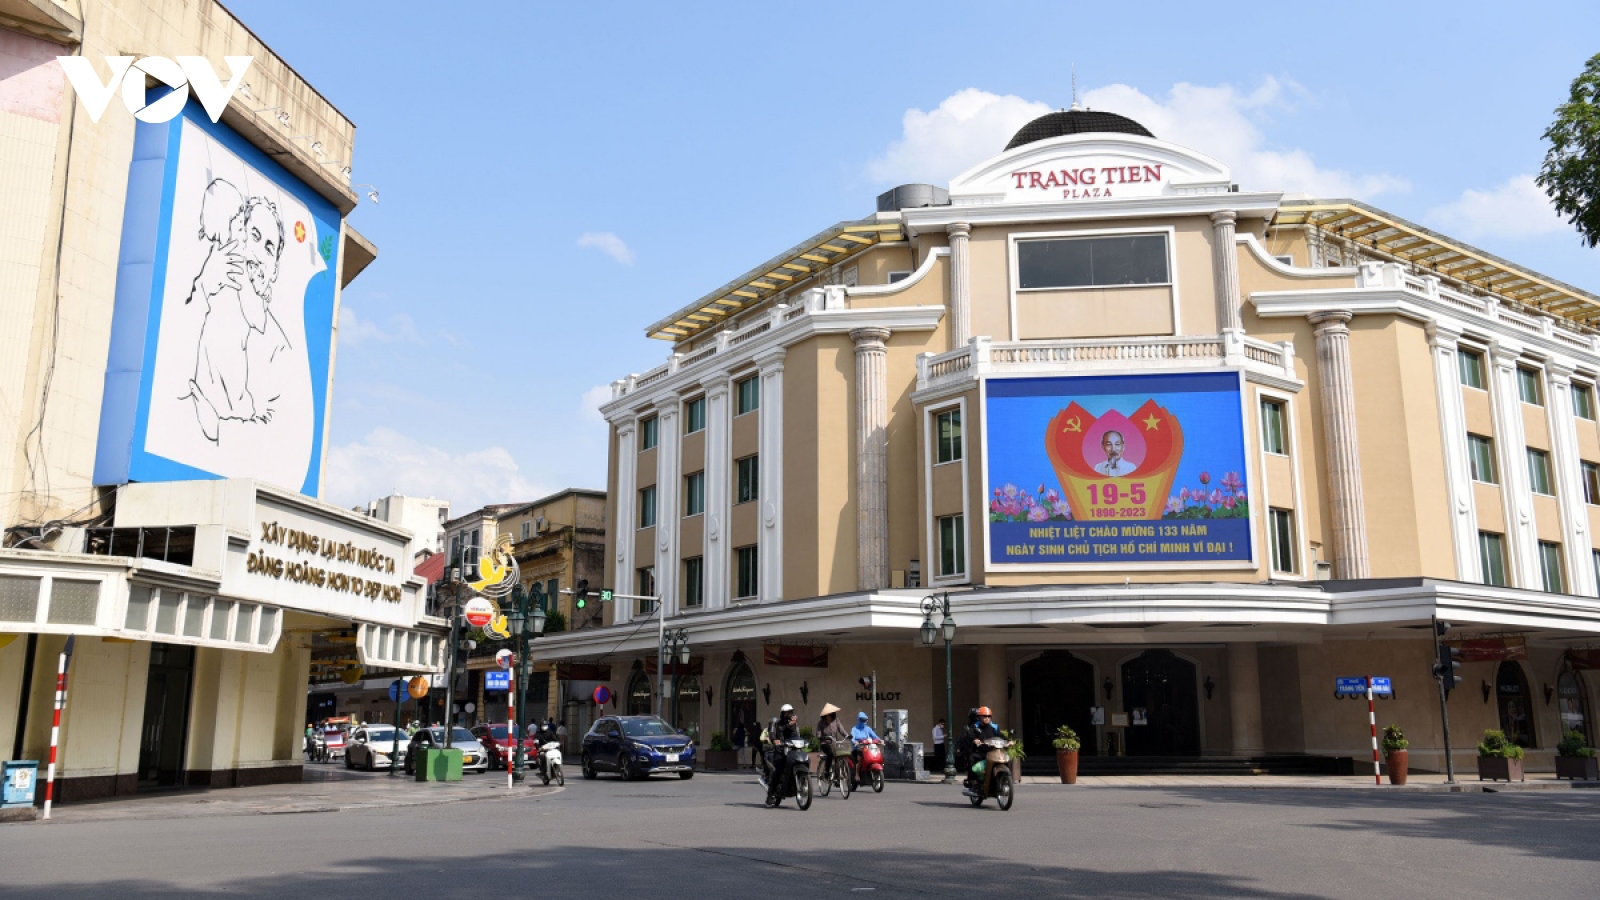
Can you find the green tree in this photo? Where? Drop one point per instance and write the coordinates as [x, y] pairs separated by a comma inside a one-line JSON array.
[[1571, 171]]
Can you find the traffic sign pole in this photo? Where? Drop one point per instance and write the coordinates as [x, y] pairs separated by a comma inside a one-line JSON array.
[[1372, 720], [55, 727]]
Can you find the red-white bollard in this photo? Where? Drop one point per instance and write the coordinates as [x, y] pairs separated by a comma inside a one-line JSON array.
[[1372, 720], [55, 727]]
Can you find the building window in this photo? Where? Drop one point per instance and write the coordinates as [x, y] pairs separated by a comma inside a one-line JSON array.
[[1583, 401], [1550, 567], [647, 433], [527, 530], [1591, 483], [1492, 557], [949, 427], [747, 396], [1281, 524], [749, 476], [1528, 386], [694, 415], [1272, 430], [647, 506], [1092, 262], [1539, 471], [1596, 555], [746, 583], [1470, 362], [694, 494], [896, 277], [644, 584], [952, 546], [1480, 452], [694, 582]]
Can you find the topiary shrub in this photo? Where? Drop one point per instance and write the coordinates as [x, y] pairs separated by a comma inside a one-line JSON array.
[[1495, 744], [1394, 739]]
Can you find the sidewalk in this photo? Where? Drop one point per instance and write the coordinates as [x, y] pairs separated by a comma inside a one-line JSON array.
[[1465, 782], [322, 788]]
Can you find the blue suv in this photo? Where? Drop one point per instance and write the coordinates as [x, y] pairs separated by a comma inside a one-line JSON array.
[[636, 747]]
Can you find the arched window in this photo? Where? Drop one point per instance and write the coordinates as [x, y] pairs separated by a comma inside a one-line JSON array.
[[686, 715], [1516, 704], [638, 696]]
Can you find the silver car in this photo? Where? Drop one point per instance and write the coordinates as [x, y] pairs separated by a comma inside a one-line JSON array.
[[473, 757], [370, 746]]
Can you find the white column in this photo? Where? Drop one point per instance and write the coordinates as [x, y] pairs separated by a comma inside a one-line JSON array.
[[1225, 263], [960, 285], [668, 480], [872, 458], [1244, 700], [627, 464], [1568, 470], [1453, 440], [718, 452], [1511, 445], [769, 550], [1335, 380]]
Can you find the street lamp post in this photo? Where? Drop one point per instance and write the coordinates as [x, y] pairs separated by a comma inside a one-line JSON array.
[[452, 577], [940, 603], [672, 644], [526, 615]]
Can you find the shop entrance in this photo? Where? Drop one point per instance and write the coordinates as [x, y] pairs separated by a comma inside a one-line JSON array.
[[1057, 689], [1516, 708], [166, 715], [741, 716], [639, 693], [1158, 693]]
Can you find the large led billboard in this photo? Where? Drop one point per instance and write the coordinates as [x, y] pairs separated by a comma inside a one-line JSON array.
[[223, 320], [1116, 471]]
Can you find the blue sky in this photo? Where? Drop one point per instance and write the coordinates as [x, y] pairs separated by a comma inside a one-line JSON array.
[[689, 142]]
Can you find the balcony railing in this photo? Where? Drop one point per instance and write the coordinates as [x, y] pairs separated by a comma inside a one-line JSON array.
[[983, 356]]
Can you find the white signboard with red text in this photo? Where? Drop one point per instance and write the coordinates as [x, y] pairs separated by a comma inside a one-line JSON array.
[[1088, 167]]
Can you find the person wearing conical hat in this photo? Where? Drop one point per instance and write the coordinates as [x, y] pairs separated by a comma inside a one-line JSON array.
[[829, 728]]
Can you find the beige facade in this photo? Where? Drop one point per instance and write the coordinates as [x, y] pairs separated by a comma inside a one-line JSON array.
[[200, 596], [1354, 336]]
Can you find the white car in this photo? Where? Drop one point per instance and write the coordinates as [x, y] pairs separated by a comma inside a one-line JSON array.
[[473, 757], [370, 745]]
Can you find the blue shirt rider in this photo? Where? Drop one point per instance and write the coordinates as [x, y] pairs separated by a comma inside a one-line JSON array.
[[862, 732]]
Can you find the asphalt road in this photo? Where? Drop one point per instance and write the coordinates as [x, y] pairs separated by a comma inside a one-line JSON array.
[[711, 838]]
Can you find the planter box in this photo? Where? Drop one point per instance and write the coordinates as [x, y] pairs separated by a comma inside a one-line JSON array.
[[1578, 768], [721, 760], [1397, 762], [1495, 768], [1067, 763]]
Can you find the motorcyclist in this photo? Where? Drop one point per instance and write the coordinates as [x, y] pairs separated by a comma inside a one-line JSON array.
[[782, 730], [981, 729], [862, 732]]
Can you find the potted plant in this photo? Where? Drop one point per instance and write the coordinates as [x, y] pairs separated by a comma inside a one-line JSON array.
[[813, 748], [721, 754], [1498, 758], [1067, 746], [1575, 760], [1395, 754]]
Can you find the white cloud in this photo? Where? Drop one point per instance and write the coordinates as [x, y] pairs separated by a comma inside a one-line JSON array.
[[968, 127], [387, 462], [1515, 209], [609, 244], [593, 399], [1224, 122], [355, 330]]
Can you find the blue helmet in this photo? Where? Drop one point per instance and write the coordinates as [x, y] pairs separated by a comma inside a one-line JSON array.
[[861, 717]]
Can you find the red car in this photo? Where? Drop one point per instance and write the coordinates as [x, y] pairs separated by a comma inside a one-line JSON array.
[[494, 739]]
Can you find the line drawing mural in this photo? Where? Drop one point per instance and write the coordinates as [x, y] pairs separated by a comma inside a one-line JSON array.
[[246, 236]]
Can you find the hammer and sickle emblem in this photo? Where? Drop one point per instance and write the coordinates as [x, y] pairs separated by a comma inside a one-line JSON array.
[[1073, 425]]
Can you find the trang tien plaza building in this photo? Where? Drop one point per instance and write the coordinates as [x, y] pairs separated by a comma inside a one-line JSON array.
[[1179, 454]]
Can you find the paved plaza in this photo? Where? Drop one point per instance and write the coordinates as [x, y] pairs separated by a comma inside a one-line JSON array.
[[344, 834]]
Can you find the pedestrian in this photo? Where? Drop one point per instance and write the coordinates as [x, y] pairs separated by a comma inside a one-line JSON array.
[[561, 732], [938, 742]]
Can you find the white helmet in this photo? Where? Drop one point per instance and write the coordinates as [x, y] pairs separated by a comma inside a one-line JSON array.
[[785, 708]]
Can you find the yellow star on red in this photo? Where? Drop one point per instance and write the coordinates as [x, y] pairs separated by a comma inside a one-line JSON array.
[[1151, 423]]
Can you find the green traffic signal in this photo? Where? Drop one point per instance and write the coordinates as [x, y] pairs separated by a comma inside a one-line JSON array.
[[580, 594]]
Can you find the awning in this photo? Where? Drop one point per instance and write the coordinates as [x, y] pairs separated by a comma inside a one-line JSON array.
[[800, 262], [1389, 235]]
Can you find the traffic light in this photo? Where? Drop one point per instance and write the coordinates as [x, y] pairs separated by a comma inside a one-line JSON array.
[[1446, 668], [580, 594]]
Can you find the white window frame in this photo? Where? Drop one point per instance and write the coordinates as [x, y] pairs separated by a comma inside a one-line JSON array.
[[1170, 231], [930, 453]]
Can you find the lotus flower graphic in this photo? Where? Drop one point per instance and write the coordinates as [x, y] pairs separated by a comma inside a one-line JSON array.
[[1115, 466]]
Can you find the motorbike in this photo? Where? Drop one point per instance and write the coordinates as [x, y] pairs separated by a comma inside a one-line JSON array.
[[869, 769], [991, 776], [550, 763], [797, 779]]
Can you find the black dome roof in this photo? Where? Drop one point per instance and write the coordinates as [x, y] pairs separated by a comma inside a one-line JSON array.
[[1075, 121]]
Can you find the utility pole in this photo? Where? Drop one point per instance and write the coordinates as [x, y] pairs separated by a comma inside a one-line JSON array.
[[453, 579]]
